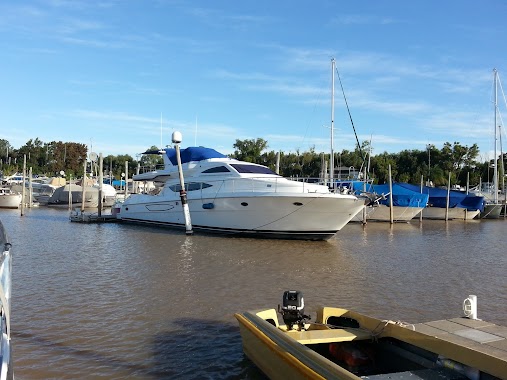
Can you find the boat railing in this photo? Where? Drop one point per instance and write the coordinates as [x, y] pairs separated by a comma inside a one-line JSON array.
[[151, 168], [254, 184]]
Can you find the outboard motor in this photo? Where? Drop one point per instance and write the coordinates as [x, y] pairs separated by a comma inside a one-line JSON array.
[[292, 309]]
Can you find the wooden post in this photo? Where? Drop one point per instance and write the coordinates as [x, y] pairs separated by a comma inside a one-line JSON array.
[[126, 178], [447, 200], [422, 187], [101, 180], [391, 211], [136, 185], [83, 191], [70, 193], [30, 188], [364, 189], [468, 185], [23, 188]]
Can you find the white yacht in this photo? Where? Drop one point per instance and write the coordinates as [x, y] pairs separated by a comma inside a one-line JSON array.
[[236, 197]]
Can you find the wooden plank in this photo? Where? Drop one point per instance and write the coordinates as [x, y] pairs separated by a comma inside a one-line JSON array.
[[501, 345], [428, 330], [481, 336], [328, 336], [445, 325], [495, 329], [473, 323]]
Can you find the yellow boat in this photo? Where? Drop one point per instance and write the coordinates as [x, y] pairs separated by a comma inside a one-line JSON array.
[[343, 344]]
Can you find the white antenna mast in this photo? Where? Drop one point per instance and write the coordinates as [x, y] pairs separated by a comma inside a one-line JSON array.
[[195, 134], [161, 146]]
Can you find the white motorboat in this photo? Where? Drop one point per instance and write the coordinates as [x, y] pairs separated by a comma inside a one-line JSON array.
[[236, 197], [9, 199]]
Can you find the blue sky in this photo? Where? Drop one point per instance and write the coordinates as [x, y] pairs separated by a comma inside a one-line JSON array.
[[122, 75]]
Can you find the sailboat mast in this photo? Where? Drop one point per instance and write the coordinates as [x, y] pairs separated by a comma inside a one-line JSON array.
[[495, 169], [331, 161]]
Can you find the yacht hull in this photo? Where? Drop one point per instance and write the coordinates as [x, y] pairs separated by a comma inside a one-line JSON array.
[[10, 200], [311, 217]]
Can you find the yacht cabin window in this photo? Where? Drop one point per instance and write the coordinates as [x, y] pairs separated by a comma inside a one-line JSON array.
[[216, 169], [192, 186]]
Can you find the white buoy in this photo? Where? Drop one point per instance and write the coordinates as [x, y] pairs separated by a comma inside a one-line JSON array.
[[470, 307]]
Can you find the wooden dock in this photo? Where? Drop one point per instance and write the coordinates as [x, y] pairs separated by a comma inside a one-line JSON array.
[[478, 339], [81, 217]]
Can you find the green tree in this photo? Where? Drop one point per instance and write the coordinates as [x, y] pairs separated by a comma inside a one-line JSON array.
[[249, 150], [151, 161]]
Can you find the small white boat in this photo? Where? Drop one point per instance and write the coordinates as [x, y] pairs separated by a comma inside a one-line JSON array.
[[343, 344], [382, 213], [455, 213], [492, 210], [9, 199], [228, 196]]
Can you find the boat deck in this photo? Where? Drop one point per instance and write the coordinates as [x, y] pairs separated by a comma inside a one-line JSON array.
[[481, 336]]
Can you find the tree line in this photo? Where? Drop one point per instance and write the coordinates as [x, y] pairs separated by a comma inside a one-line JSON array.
[[433, 164], [53, 157]]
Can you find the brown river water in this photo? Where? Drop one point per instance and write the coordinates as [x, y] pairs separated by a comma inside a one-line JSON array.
[[113, 301]]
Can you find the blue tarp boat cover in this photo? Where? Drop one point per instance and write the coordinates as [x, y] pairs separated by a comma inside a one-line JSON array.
[[115, 182], [193, 153], [401, 196], [438, 197]]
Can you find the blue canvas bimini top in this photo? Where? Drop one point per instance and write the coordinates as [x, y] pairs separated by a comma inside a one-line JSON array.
[[193, 153]]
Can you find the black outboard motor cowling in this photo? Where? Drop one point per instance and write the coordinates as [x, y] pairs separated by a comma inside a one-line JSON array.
[[292, 309]]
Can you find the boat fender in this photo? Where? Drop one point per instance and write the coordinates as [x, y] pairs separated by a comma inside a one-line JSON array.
[[471, 373], [208, 206]]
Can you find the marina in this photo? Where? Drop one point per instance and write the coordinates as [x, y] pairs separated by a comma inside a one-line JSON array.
[[115, 300]]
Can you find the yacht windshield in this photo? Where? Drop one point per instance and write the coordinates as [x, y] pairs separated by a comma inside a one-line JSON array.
[[245, 168]]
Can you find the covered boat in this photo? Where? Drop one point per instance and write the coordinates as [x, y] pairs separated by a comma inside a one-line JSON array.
[[60, 197], [461, 205], [343, 344], [407, 203], [235, 197]]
